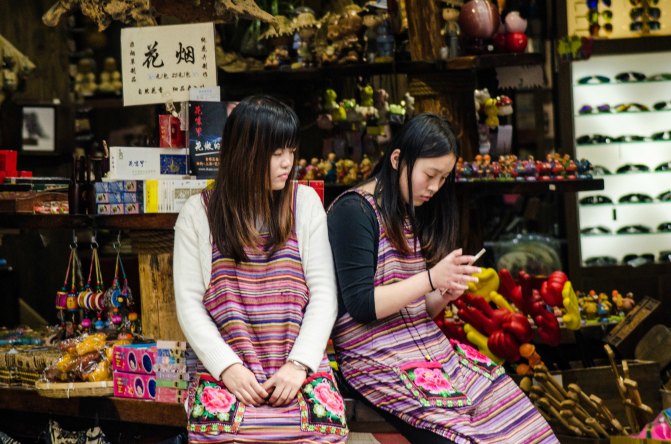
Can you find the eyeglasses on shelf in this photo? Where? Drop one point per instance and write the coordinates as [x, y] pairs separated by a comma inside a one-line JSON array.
[[630, 76], [596, 230], [635, 198], [633, 168], [634, 229], [596, 200], [600, 261]]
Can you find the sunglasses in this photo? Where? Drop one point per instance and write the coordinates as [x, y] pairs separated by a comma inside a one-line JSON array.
[[624, 107], [658, 106], [638, 26], [664, 227], [591, 80], [593, 231], [662, 135], [659, 77], [593, 139], [633, 168], [636, 13], [600, 170], [587, 109], [640, 2], [629, 138], [630, 76], [634, 229], [665, 256], [595, 200], [636, 260], [594, 4], [666, 166], [635, 198], [600, 261], [665, 196]]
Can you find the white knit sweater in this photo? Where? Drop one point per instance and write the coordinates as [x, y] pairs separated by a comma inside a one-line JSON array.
[[192, 266]]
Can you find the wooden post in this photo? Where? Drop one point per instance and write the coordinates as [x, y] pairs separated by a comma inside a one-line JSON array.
[[157, 294], [424, 24]]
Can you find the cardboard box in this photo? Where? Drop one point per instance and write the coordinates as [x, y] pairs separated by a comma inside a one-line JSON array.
[[135, 358], [134, 385], [132, 163]]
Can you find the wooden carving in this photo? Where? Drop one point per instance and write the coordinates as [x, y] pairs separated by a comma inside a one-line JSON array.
[[144, 12]]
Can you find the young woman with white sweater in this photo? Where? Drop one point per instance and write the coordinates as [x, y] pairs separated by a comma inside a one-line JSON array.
[[255, 291]]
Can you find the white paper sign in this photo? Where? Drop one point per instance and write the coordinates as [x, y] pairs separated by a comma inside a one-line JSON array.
[[161, 63], [207, 94]]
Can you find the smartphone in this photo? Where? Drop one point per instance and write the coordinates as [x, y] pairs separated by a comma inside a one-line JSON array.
[[478, 255]]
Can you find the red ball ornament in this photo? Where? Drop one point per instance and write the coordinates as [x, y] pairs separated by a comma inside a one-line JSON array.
[[86, 323], [500, 42], [516, 41]]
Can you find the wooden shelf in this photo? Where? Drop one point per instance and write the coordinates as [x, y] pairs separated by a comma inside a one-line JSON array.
[[487, 61], [501, 187], [104, 408], [631, 45], [163, 221]]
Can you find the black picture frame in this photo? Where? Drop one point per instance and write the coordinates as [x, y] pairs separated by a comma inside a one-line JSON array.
[[39, 129]]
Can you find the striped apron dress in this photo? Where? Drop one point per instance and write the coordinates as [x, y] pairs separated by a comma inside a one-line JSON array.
[[258, 306], [405, 365]]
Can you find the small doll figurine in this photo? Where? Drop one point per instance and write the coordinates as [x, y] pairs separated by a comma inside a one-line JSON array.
[[367, 109], [450, 31], [350, 23], [330, 175], [491, 111], [110, 77], [85, 79], [301, 169], [365, 167], [305, 26], [280, 40]]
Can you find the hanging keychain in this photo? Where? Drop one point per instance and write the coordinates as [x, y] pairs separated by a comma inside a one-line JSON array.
[[67, 300], [119, 297], [92, 297]]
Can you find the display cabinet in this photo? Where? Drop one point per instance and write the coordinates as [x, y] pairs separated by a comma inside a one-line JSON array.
[[621, 110]]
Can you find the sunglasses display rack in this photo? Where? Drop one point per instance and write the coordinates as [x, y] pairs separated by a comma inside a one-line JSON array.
[[622, 127], [617, 19]]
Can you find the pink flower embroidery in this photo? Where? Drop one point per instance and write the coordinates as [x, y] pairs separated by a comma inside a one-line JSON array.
[[432, 380], [217, 400], [329, 398], [474, 354]]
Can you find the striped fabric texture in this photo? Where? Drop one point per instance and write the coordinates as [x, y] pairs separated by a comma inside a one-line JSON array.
[[258, 306], [396, 363]]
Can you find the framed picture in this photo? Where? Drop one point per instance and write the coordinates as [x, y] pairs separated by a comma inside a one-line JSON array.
[[38, 129]]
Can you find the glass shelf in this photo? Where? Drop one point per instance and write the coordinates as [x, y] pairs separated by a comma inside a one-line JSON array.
[[625, 113], [638, 173], [588, 145], [642, 82]]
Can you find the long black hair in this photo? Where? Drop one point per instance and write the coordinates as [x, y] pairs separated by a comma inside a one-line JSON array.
[[434, 223], [243, 195]]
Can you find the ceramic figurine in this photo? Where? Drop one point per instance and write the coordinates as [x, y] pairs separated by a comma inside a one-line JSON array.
[[280, 40], [110, 77], [350, 24], [451, 31], [305, 26], [85, 79]]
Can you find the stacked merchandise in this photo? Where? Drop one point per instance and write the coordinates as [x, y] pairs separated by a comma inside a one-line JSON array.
[[134, 371], [172, 377], [145, 196]]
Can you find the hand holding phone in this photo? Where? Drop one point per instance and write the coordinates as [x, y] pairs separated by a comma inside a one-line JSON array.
[[478, 255]]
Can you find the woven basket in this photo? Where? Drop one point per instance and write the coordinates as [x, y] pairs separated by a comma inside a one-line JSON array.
[[74, 389]]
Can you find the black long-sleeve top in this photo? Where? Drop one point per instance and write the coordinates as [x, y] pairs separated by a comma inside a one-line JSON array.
[[354, 235]]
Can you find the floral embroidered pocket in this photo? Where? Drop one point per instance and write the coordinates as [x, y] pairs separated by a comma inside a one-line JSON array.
[[212, 408], [476, 361], [322, 406], [431, 385]]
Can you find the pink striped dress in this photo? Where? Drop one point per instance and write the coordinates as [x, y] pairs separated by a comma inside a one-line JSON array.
[[258, 306], [405, 365]]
